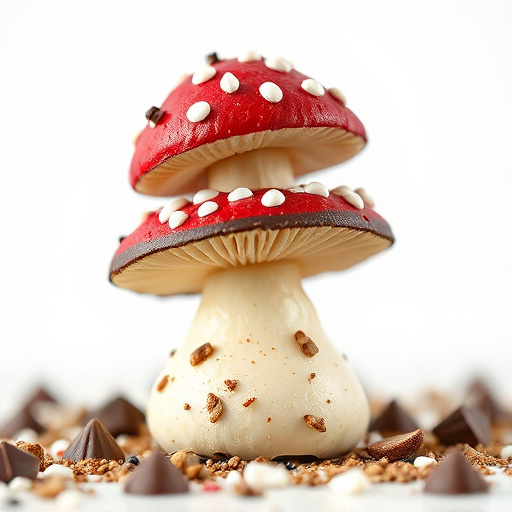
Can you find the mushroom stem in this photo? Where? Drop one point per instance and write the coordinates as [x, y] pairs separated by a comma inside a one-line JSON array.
[[266, 338], [261, 168]]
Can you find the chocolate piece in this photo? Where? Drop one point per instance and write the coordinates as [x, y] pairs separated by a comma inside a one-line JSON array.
[[455, 475], [23, 419], [306, 344], [201, 354], [93, 442], [214, 407], [393, 419], [154, 114], [120, 417], [479, 395], [15, 462], [212, 58], [40, 395], [397, 447], [156, 475], [466, 424], [315, 422]]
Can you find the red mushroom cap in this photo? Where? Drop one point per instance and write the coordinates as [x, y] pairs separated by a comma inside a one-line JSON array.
[[320, 233], [238, 107]]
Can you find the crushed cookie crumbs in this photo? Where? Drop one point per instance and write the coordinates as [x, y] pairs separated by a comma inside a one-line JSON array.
[[214, 407], [249, 401], [315, 422], [187, 407], [231, 384], [163, 383]]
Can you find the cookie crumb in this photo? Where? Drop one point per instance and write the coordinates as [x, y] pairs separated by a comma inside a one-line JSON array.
[[306, 344], [214, 407], [186, 407], [315, 422], [163, 383], [231, 384], [249, 401], [201, 354]]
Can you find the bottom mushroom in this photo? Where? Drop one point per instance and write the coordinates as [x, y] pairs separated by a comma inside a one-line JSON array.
[[257, 374]]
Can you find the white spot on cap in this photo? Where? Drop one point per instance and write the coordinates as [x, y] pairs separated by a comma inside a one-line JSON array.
[[313, 87], [203, 75], [272, 197], [229, 83], [353, 481], [317, 189], [342, 189], [198, 111], [239, 193], [338, 95], [368, 200], [177, 218], [207, 208], [174, 204], [203, 195], [354, 199], [278, 64], [423, 462], [271, 92], [249, 56], [261, 476]]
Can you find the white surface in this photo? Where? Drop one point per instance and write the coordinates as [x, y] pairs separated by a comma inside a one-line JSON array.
[[431, 81]]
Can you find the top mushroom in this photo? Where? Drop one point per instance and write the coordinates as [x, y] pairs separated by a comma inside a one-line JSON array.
[[207, 130]]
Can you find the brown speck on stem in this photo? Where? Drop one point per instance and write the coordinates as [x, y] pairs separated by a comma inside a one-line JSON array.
[[231, 384], [315, 422], [214, 407], [163, 383], [173, 351], [186, 407], [306, 344], [269, 419], [253, 362], [201, 354], [249, 401], [311, 376]]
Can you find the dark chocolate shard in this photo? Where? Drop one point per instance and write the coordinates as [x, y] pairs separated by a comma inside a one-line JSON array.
[[466, 424], [21, 420], [455, 475], [156, 475], [479, 395], [393, 420], [38, 396], [119, 416], [93, 442], [15, 462], [397, 447], [154, 114]]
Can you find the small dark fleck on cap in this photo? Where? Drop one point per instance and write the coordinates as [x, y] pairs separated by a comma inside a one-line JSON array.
[[154, 114], [133, 460], [212, 58]]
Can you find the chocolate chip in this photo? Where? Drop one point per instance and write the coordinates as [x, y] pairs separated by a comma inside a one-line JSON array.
[[133, 460], [466, 424], [119, 416], [16, 462], [154, 114], [212, 58]]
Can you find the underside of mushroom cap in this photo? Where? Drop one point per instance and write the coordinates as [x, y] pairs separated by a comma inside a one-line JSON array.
[[319, 233], [200, 123]]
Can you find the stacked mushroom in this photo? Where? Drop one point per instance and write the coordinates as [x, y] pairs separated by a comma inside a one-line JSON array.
[[256, 374]]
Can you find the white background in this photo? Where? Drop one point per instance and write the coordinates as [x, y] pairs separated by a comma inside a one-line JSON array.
[[432, 83]]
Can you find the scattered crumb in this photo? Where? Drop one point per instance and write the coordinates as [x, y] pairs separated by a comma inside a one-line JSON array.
[[214, 407], [231, 384], [163, 383], [201, 354], [306, 344], [249, 401], [186, 407], [315, 422]]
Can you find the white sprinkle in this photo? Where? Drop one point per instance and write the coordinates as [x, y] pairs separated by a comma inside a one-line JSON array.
[[173, 205], [70, 499], [278, 64], [4, 489], [272, 197], [207, 208], [271, 92], [203, 195], [261, 476], [152, 124], [353, 481], [58, 470], [342, 189], [177, 218], [198, 111], [58, 448], [28, 435], [232, 480], [422, 462], [203, 75], [338, 95], [20, 483], [374, 437], [300, 188], [354, 199], [229, 83], [368, 200], [316, 188], [249, 56], [313, 87], [239, 193], [506, 452]]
